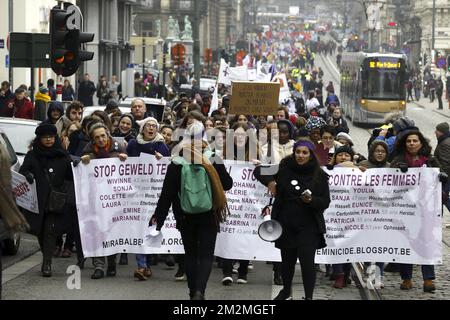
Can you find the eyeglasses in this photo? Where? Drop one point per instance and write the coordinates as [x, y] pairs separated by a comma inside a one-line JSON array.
[[48, 137], [150, 125]]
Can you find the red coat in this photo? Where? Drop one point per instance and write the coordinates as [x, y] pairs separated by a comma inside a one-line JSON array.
[[22, 109]]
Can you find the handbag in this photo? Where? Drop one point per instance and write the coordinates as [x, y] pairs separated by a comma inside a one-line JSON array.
[[56, 199]]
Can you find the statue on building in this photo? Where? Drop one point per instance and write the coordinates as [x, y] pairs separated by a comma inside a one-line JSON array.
[[177, 29], [158, 28], [187, 34], [171, 28]]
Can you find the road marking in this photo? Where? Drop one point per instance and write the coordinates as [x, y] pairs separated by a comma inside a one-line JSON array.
[[21, 267]]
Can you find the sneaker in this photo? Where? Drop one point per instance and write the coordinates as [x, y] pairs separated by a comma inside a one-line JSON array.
[[284, 295], [379, 282], [179, 276], [139, 273], [226, 281], [250, 265], [242, 279]]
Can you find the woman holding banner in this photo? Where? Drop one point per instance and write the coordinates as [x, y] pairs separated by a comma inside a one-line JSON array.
[[102, 146], [301, 196], [413, 150], [48, 164]]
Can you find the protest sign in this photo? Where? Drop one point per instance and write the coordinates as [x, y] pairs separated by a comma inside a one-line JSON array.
[[383, 215], [255, 98], [24, 193]]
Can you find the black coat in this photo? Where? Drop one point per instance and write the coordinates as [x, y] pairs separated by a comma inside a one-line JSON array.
[[86, 91], [170, 196], [303, 223], [60, 174]]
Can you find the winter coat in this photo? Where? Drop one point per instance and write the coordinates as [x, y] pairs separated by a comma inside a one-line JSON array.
[[4, 100], [442, 153], [114, 150], [59, 170], [22, 109], [86, 91], [40, 106], [303, 223], [134, 149], [68, 94], [340, 125], [77, 142], [171, 191]]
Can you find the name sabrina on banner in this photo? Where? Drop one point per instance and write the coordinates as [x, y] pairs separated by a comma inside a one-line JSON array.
[[377, 215]]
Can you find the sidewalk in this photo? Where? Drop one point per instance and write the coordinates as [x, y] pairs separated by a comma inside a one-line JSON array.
[[425, 103]]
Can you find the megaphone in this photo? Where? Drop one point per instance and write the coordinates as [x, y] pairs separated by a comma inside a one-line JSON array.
[[270, 230]]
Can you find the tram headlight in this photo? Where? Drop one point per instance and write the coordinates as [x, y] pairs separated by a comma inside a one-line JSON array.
[[363, 103], [403, 103]]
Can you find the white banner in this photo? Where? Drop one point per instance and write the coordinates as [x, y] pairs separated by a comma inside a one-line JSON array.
[[24, 193], [383, 215], [115, 201], [238, 237], [228, 74]]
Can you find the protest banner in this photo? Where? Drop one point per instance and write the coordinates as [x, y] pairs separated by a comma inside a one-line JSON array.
[[255, 98], [115, 201], [383, 215], [24, 193]]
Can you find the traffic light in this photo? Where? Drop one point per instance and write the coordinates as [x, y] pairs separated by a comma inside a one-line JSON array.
[[65, 43], [178, 54]]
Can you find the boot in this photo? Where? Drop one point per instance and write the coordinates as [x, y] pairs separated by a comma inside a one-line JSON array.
[[98, 274], [339, 281], [277, 280], [284, 294], [406, 284], [46, 269], [428, 286]]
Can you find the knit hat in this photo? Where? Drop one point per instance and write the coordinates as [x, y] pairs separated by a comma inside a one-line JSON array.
[[443, 127], [43, 90], [342, 149], [402, 124], [346, 137], [46, 129], [314, 123], [111, 105], [142, 123]]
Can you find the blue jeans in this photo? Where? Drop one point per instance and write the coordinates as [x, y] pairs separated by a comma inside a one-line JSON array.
[[143, 260], [427, 272]]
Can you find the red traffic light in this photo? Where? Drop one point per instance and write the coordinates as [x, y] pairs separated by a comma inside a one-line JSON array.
[[392, 24]]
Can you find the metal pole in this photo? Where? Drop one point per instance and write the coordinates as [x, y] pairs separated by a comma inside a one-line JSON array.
[[10, 29], [143, 58], [165, 50], [196, 30], [433, 25]]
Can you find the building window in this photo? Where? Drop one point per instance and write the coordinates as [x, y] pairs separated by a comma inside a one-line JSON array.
[[182, 5], [147, 29]]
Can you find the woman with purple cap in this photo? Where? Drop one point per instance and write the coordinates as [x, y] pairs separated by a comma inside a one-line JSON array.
[[301, 196]]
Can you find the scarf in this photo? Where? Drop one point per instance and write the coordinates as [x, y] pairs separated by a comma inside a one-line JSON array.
[[220, 208], [415, 163], [44, 153], [158, 138], [101, 153]]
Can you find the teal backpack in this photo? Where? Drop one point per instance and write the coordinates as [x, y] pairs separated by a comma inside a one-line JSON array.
[[195, 195]]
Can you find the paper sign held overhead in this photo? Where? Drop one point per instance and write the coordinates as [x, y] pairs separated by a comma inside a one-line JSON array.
[[254, 98]]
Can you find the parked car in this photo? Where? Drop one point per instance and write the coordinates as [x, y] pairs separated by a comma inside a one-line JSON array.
[[20, 133], [10, 240], [155, 107]]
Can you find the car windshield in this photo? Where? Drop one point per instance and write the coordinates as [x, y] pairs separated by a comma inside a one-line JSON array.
[[20, 136]]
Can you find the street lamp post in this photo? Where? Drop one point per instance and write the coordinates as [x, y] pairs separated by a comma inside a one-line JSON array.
[[433, 25]]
